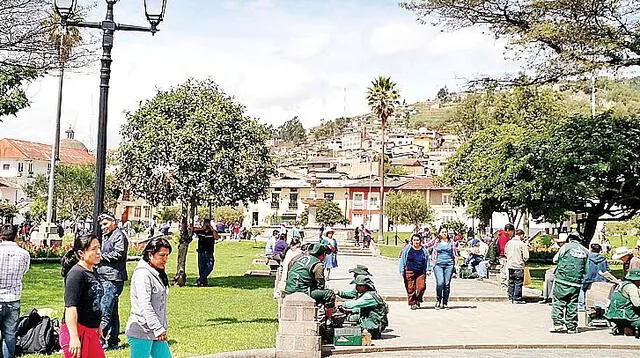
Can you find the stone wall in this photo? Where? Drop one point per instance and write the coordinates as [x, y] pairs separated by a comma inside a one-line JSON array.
[[298, 331]]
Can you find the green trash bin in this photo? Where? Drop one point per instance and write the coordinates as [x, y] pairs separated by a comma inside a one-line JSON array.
[[347, 336]]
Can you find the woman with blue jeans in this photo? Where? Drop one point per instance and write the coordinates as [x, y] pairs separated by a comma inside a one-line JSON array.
[[443, 257], [147, 325]]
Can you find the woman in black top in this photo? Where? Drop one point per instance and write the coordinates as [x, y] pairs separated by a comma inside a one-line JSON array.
[[80, 332]]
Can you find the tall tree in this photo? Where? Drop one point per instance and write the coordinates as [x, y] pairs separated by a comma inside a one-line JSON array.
[[383, 97], [73, 189], [292, 131], [407, 208], [560, 37], [12, 95], [194, 144]]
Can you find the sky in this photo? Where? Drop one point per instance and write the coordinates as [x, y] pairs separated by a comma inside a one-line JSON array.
[[280, 58]]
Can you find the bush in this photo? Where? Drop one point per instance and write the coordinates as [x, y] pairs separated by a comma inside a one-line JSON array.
[[42, 251]]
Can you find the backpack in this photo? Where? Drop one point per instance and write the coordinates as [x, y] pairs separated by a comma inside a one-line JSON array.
[[37, 334]]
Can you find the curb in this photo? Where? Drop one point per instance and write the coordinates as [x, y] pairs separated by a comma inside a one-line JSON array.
[[331, 350], [251, 353]]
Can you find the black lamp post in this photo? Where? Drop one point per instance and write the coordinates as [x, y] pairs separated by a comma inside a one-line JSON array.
[[346, 201], [154, 11]]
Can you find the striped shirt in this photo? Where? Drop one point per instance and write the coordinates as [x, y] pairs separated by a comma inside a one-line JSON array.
[[14, 262]]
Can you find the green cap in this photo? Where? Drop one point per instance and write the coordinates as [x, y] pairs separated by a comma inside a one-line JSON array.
[[360, 270], [318, 249], [633, 275], [364, 280]]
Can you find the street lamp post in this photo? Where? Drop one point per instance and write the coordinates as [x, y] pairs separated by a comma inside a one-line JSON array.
[[346, 201], [154, 11]]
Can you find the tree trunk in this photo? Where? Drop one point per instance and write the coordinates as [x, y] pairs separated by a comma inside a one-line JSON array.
[[381, 171], [590, 224], [525, 224], [180, 278]]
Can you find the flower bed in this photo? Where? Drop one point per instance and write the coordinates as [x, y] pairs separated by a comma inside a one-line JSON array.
[[42, 251]]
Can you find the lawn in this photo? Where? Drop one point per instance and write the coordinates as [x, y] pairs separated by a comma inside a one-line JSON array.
[[235, 313], [537, 274]]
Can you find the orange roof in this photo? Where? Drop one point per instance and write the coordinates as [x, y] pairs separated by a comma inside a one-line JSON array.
[[419, 183], [25, 150]]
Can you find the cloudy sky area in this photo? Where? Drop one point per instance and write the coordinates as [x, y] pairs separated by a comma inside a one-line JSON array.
[[280, 58]]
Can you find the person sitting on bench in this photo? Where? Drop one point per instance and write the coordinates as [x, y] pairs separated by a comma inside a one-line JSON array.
[[624, 309], [369, 310]]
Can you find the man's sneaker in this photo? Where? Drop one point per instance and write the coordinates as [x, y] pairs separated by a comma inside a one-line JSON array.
[[572, 331], [414, 307], [446, 307], [557, 329]]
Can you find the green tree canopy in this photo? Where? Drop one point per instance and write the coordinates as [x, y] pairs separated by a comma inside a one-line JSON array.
[[328, 213], [73, 189], [12, 95], [292, 131], [194, 144], [557, 38], [407, 208], [7, 211]]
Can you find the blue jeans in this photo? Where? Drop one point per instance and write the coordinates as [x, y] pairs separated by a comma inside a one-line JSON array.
[[443, 274], [9, 314], [143, 348], [516, 279], [482, 269], [205, 266], [109, 304]]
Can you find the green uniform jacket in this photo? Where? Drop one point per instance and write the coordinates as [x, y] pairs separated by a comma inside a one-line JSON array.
[[371, 311], [573, 262], [303, 275], [621, 307]]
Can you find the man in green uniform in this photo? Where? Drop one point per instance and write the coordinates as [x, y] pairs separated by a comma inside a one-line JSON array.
[[359, 270], [572, 260], [306, 275], [624, 309], [368, 310]]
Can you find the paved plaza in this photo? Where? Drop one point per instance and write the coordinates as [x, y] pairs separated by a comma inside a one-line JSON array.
[[502, 353], [479, 317], [390, 285]]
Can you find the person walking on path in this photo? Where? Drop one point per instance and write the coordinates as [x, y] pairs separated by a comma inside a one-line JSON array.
[[597, 263], [112, 270], [517, 253], [414, 266], [331, 259], [80, 331], [206, 249], [503, 237], [573, 264], [14, 263], [147, 325], [444, 257], [624, 309]]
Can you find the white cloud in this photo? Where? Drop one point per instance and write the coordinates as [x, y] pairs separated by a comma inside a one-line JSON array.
[[307, 46], [397, 37]]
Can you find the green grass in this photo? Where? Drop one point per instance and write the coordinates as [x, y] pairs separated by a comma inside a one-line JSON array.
[[537, 274], [620, 240], [235, 313], [390, 238]]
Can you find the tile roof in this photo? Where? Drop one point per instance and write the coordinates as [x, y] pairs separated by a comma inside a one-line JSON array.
[[422, 183], [25, 150], [388, 183]]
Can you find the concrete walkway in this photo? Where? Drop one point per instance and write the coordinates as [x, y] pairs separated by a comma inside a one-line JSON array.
[[479, 317], [390, 285]]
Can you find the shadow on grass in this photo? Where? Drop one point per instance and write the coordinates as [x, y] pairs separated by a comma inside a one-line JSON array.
[[231, 320], [242, 282]]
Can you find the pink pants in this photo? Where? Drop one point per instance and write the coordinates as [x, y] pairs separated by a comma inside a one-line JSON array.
[[90, 346]]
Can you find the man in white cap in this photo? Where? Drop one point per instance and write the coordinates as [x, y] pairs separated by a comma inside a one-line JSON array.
[[629, 260]]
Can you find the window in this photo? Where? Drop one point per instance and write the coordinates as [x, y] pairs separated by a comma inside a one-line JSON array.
[[357, 200], [126, 195], [329, 196], [373, 201], [21, 167], [30, 168], [137, 211], [293, 201], [147, 211], [6, 166], [446, 199], [275, 201]]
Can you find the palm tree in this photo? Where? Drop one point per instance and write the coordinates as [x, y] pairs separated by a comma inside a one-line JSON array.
[[63, 40], [382, 97]]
